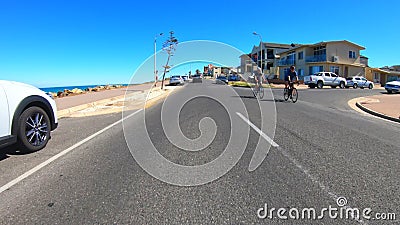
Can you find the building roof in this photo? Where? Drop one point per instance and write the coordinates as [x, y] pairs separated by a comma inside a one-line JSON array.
[[270, 45], [323, 43]]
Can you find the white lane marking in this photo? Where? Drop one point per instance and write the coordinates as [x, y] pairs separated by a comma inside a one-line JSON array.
[[262, 134], [296, 163], [315, 180], [53, 158]]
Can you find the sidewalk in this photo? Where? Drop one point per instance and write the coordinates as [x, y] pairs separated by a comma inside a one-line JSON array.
[[385, 106], [110, 101], [71, 101]]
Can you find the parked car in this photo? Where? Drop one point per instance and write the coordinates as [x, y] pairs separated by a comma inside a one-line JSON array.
[[197, 78], [360, 82], [185, 78], [393, 86], [222, 79], [28, 115], [176, 80], [324, 79], [233, 77]]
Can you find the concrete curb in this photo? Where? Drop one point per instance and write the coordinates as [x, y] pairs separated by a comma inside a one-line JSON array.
[[365, 109]]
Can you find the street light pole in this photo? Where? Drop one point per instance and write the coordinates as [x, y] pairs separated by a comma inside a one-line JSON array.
[[261, 49], [155, 58]]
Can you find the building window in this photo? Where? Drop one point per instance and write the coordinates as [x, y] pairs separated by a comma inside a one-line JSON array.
[[300, 55], [286, 71], [316, 69], [352, 54], [320, 50], [291, 58], [300, 73], [335, 69], [377, 78]]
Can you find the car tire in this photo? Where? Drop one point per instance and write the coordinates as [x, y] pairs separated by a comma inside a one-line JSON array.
[[320, 85], [34, 128], [389, 91], [370, 86], [355, 86], [342, 85]]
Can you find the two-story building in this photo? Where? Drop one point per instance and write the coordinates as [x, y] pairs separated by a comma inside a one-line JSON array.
[[340, 57], [249, 63]]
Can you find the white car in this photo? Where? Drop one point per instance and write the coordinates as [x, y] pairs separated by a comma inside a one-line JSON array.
[[393, 86], [176, 80], [27, 116], [324, 79], [360, 82]]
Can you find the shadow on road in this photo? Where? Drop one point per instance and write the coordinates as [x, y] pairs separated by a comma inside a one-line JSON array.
[[385, 93], [10, 150], [261, 100]]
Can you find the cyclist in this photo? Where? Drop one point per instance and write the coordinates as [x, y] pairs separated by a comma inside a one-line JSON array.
[[259, 78], [291, 76]]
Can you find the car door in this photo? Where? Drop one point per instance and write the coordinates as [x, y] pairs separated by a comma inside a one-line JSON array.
[[358, 81], [335, 79], [327, 79], [364, 82], [4, 114]]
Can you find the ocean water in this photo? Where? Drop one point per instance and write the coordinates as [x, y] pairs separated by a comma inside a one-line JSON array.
[[57, 89]]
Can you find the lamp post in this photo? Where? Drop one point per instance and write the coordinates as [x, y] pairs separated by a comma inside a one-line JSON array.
[[261, 49], [155, 58]]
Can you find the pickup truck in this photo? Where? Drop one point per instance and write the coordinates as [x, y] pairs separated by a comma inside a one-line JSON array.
[[321, 79]]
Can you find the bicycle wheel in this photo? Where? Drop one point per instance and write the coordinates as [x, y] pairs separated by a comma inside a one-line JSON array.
[[261, 92], [295, 95], [286, 94]]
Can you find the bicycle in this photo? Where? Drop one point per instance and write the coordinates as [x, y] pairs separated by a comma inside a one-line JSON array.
[[291, 92], [258, 89]]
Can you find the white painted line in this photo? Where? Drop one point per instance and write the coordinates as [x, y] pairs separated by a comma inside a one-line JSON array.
[[48, 161], [294, 161], [262, 134], [315, 180]]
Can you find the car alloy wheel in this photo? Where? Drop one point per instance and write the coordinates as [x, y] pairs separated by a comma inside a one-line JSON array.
[[320, 85], [34, 129], [341, 85]]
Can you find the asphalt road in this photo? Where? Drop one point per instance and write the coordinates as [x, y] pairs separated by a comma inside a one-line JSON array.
[[326, 150]]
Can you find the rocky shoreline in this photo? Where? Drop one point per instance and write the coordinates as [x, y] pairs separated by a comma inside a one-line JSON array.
[[77, 91]]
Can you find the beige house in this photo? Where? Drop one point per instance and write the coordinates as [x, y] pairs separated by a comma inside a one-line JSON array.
[[384, 74], [250, 63], [340, 57]]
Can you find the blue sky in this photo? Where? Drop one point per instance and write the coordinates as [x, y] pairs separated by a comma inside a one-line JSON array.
[[57, 43]]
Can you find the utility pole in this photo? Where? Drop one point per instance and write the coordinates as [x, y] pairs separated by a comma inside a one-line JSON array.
[[169, 47], [155, 59], [261, 49]]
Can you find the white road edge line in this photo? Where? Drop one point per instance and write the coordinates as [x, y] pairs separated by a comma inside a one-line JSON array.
[[262, 134], [53, 158]]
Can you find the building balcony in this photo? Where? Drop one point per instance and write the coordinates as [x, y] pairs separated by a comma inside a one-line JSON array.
[[316, 58], [286, 62]]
